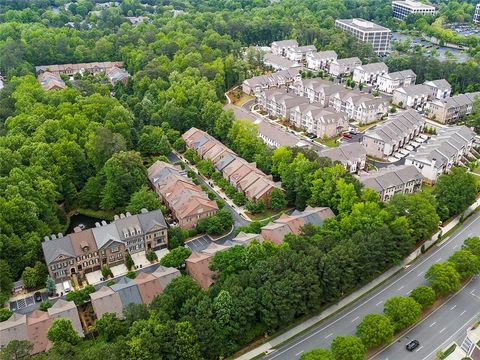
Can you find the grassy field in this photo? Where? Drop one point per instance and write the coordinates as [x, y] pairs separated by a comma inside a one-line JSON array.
[[332, 142]]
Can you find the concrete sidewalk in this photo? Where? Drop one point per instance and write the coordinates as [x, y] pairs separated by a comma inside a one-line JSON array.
[[354, 296]]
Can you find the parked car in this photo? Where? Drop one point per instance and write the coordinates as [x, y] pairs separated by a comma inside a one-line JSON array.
[[312, 136], [347, 135], [412, 345], [37, 296]]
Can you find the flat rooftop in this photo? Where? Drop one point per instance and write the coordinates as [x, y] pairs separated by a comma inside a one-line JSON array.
[[414, 5], [362, 25]]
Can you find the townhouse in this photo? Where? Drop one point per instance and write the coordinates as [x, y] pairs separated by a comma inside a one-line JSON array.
[[402, 8], [452, 109], [400, 79], [343, 67], [244, 176], [49, 81], [386, 138], [351, 155], [438, 89], [476, 16], [187, 202], [276, 137], [321, 60], [293, 223], [277, 62], [358, 106], [89, 250], [317, 90], [116, 74], [367, 32], [246, 238], [71, 69], [141, 290], [278, 79], [442, 152], [369, 73], [34, 326], [280, 47], [278, 103], [413, 96], [403, 179], [299, 53], [315, 119]]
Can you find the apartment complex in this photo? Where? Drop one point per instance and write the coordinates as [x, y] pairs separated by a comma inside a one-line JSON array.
[[476, 16], [317, 90], [343, 67], [321, 60], [89, 250], [277, 62], [300, 53], [187, 202], [280, 47], [413, 96], [439, 89], [276, 137], [244, 176], [293, 223], [351, 155], [403, 179], [315, 119], [34, 327], [442, 152], [278, 102], [369, 73], [278, 79], [400, 79], [384, 139], [367, 32], [452, 109], [401, 9]]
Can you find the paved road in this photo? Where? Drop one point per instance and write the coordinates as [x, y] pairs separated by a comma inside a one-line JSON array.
[[448, 323], [346, 321]]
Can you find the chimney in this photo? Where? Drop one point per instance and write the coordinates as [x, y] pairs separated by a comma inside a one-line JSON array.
[[122, 216], [54, 236], [46, 238], [116, 217], [144, 211], [60, 235], [77, 229], [434, 162], [97, 224], [104, 223], [128, 214]]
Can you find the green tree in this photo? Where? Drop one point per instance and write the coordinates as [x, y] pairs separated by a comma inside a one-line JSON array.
[[317, 354], [176, 237], [5, 314], [143, 199], [16, 350], [6, 281], [129, 261], [424, 295], [134, 312], [403, 311], [109, 327], [466, 263], [277, 200], [186, 342], [151, 256], [50, 285], [472, 244], [443, 278], [62, 330], [374, 330], [30, 277], [348, 348], [176, 257], [45, 305], [455, 191], [125, 174]]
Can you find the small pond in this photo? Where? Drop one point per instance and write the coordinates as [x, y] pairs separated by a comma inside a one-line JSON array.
[[80, 219]]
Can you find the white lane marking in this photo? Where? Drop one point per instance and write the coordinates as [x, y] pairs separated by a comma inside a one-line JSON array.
[[326, 337], [438, 260], [420, 274], [299, 353], [442, 330], [401, 287], [420, 348], [432, 324], [453, 307], [412, 269], [463, 312], [355, 319], [378, 303], [455, 247], [467, 323]]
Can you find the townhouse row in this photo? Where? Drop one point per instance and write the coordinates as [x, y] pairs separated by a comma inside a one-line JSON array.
[[108, 299], [244, 176], [198, 264], [442, 151], [85, 251], [187, 202]]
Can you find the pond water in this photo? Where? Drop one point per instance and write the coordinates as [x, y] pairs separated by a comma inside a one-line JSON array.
[[80, 219], [459, 55]]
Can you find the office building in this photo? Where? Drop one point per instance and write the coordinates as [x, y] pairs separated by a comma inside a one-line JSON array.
[[367, 32]]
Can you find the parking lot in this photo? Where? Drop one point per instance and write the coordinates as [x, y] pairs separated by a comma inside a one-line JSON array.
[[27, 301]]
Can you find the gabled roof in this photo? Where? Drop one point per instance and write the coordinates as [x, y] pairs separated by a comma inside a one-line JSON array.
[[15, 320], [54, 248], [373, 67], [60, 306], [102, 292], [389, 177], [149, 220], [106, 233], [128, 291], [440, 84]]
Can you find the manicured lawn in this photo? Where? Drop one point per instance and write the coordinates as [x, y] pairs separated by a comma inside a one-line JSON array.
[[243, 99], [427, 188], [332, 142], [266, 214]]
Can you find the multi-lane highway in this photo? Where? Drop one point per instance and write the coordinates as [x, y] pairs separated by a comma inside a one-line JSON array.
[[447, 323]]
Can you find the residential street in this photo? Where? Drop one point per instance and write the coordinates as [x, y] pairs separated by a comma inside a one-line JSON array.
[[346, 321]]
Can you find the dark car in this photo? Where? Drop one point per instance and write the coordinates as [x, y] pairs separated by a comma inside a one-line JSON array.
[[412, 345], [38, 296]]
